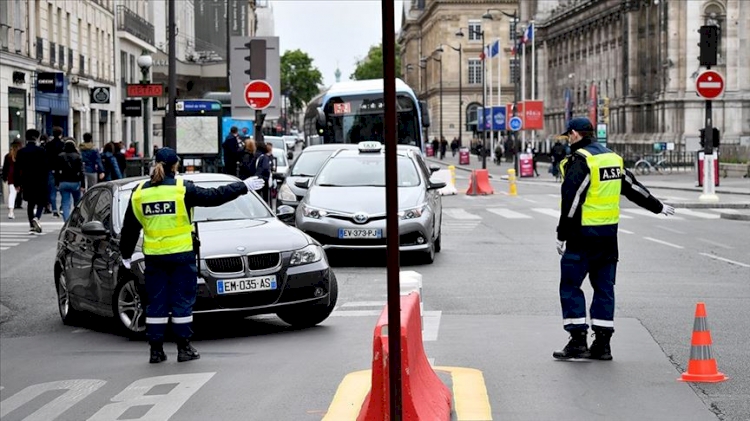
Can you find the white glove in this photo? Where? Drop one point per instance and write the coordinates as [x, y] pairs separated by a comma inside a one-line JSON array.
[[254, 183], [560, 247], [667, 210], [126, 263]]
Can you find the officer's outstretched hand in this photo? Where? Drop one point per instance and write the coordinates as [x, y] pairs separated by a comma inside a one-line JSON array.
[[254, 183], [667, 210], [560, 247], [126, 263]]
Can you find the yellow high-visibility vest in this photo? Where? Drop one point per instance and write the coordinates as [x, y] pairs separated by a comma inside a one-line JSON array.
[[162, 212], [602, 203]]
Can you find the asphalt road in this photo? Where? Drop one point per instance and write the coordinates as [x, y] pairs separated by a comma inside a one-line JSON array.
[[490, 302]]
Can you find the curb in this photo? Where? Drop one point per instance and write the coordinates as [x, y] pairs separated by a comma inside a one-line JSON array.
[[691, 189], [735, 216], [704, 205], [5, 314]]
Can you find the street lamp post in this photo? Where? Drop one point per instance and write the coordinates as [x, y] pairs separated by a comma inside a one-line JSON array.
[[439, 60], [144, 62], [484, 96], [460, 34]]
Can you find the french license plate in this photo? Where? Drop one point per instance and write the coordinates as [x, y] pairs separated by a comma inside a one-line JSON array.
[[360, 233], [232, 286]]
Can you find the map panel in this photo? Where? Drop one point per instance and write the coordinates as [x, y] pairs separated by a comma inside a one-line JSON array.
[[197, 135]]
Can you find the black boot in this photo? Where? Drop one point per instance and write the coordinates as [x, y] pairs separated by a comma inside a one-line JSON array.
[[600, 349], [576, 347], [157, 353], [186, 352]]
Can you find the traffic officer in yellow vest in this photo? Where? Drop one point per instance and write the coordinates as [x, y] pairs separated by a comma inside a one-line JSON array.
[[162, 207], [594, 177]]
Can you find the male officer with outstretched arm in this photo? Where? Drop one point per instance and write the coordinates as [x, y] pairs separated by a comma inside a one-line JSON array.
[[594, 177]]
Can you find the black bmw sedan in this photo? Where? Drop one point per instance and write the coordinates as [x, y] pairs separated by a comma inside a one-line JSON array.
[[249, 262]]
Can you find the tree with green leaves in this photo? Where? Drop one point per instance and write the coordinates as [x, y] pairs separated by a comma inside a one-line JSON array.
[[371, 67], [299, 78]]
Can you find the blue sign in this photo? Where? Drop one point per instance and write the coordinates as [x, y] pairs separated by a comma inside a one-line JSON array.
[[480, 119], [245, 127], [498, 118], [515, 123], [197, 106]]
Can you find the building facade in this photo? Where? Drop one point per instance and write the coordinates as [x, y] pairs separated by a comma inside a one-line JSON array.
[[54, 55], [640, 58], [430, 24]]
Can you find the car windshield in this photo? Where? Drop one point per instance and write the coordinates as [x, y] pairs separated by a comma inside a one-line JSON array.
[[308, 164], [247, 206], [351, 171]]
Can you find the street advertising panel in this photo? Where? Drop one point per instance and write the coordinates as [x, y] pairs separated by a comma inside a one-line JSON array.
[[464, 157], [428, 150], [519, 114], [534, 115], [498, 118], [526, 164], [197, 135], [487, 119]]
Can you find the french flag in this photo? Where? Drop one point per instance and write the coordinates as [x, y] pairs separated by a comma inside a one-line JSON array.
[[528, 35]]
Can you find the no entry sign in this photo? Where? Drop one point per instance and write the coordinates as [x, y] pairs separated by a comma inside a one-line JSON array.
[[709, 84], [258, 94]]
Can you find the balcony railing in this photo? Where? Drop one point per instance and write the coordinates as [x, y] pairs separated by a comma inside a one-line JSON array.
[[130, 22]]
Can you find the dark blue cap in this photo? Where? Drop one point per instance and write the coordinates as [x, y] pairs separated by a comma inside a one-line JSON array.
[[168, 156], [579, 124]]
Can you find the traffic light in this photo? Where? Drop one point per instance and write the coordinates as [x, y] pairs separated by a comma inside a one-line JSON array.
[[708, 45], [257, 58], [714, 137]]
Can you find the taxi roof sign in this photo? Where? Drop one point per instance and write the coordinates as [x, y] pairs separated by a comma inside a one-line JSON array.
[[369, 146]]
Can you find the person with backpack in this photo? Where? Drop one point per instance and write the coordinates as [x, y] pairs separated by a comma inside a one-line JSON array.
[[70, 179]]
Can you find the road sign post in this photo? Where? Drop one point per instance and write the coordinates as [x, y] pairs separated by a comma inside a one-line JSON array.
[[709, 85]]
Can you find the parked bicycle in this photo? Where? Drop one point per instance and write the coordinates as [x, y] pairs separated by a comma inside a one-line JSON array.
[[657, 163]]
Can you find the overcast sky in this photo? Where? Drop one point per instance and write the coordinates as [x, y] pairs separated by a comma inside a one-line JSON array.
[[331, 31]]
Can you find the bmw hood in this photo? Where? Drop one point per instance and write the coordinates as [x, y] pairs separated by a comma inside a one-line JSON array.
[[224, 237], [370, 200]]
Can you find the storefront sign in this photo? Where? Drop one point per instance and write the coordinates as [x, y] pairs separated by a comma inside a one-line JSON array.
[[19, 78], [142, 90], [132, 108], [50, 82], [100, 95]]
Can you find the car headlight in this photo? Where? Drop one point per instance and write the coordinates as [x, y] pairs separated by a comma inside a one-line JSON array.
[[286, 194], [311, 212], [309, 254], [412, 213]]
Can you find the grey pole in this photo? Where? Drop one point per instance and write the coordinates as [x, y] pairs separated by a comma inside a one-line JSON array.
[[171, 120]]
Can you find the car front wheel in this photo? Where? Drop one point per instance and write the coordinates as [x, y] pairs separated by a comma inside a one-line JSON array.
[[68, 313], [129, 308], [309, 315]]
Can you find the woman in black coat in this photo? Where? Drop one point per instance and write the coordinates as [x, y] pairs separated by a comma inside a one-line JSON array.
[[31, 175]]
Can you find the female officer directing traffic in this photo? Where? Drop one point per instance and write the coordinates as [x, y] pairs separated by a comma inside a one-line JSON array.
[[162, 207]]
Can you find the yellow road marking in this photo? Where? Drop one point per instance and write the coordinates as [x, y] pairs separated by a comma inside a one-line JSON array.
[[470, 399]]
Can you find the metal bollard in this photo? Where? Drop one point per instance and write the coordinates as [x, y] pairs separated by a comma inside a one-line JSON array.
[[452, 169], [512, 179]]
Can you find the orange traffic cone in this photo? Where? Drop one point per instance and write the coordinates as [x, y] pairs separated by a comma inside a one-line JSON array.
[[702, 366]]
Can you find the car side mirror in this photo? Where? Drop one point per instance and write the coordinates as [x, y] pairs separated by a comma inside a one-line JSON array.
[[436, 184], [285, 214], [434, 169], [94, 229], [303, 184], [279, 176]]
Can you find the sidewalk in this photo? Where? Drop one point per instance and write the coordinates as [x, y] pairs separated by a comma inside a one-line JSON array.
[[686, 181]]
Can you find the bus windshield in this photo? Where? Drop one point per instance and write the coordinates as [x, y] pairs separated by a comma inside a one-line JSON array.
[[359, 118]]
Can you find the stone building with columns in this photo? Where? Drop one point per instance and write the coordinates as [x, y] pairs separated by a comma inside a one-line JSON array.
[[429, 24], [640, 56]]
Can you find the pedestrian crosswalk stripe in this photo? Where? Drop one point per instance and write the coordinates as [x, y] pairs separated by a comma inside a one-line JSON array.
[[9, 244], [507, 213], [697, 214], [458, 213], [549, 212], [643, 212]]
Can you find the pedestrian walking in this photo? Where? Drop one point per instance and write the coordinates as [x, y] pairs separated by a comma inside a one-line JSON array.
[[30, 173], [69, 177], [594, 177], [162, 207], [232, 148], [8, 176], [112, 169], [443, 147], [92, 161], [53, 147]]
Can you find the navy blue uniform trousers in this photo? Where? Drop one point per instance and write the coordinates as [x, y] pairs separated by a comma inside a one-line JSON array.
[[596, 257], [171, 284]]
